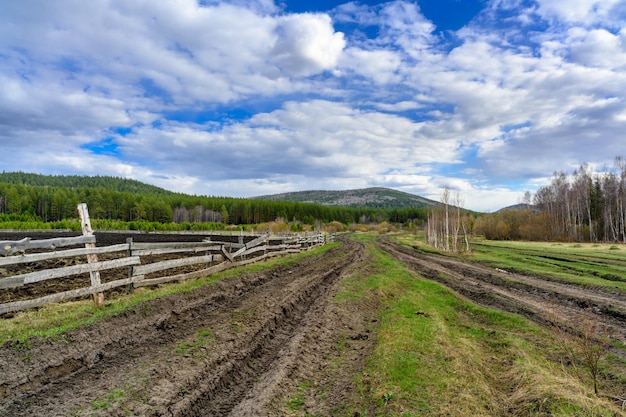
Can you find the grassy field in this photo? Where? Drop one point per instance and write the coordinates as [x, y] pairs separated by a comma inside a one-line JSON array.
[[586, 264], [438, 355]]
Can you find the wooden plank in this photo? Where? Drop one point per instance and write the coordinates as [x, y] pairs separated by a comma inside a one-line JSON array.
[[11, 282], [227, 244], [83, 213], [179, 245], [11, 247], [32, 277], [276, 247], [61, 296], [173, 263], [254, 250], [251, 244], [163, 251], [250, 261], [8, 247], [180, 277], [227, 254], [68, 253], [278, 253]]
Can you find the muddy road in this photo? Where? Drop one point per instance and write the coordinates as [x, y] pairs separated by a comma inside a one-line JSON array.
[[257, 344], [236, 348], [540, 299]]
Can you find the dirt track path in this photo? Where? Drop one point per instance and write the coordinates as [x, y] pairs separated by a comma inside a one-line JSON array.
[[234, 348], [537, 298]]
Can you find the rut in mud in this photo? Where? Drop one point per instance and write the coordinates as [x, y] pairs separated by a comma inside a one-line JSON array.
[[233, 348], [537, 298]]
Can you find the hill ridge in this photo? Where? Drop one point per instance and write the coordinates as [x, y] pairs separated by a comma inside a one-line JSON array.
[[371, 197], [79, 181]]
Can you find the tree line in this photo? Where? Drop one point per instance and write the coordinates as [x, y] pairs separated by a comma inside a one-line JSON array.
[[584, 206], [22, 201]]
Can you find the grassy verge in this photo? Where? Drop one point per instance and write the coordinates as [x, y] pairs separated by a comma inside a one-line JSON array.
[[439, 355], [55, 319]]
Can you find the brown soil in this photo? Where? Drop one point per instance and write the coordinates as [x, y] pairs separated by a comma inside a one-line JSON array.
[[247, 346], [271, 343]]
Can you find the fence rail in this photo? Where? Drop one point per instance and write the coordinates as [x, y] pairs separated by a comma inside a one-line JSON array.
[[141, 263]]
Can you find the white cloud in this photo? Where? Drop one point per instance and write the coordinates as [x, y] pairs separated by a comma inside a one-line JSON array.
[[578, 11], [215, 53], [379, 66], [385, 103], [307, 44], [598, 48], [317, 139]]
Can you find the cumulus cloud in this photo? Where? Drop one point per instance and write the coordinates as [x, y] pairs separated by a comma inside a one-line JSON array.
[[578, 11], [243, 98], [213, 53], [598, 48], [307, 44], [327, 139]]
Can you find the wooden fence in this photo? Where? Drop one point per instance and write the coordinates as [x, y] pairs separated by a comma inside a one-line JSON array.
[[140, 263]]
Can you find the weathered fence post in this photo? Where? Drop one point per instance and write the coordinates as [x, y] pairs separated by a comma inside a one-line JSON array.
[[129, 253], [98, 297]]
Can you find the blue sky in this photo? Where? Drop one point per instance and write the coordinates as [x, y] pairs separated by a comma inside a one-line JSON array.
[[244, 98]]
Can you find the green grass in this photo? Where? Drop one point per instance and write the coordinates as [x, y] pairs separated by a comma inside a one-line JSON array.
[[581, 264], [191, 348], [106, 401], [54, 320], [296, 401], [584, 264], [439, 355]]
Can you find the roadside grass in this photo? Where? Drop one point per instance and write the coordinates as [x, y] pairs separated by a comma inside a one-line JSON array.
[[54, 320], [584, 264], [439, 355]]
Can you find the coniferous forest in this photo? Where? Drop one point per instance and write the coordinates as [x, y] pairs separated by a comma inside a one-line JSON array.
[[586, 205], [43, 198]]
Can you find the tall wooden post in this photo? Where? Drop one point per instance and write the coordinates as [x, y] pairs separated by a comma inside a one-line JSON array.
[[98, 298], [129, 253]]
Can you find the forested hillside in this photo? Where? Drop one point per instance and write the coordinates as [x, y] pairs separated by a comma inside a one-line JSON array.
[[377, 197], [54, 198], [78, 181]]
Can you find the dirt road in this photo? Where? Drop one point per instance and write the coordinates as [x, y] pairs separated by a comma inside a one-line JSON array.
[[242, 347], [538, 298], [271, 343]]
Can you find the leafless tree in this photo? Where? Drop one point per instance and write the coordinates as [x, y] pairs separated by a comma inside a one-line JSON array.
[[446, 222]]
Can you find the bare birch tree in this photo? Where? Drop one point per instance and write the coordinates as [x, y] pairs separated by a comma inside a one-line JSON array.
[[445, 223]]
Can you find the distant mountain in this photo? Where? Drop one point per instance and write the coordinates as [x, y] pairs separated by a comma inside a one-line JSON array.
[[520, 206], [377, 197]]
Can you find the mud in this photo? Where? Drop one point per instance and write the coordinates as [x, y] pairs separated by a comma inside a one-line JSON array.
[[241, 347], [271, 343]]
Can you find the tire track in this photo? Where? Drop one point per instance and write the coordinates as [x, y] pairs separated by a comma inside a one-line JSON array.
[[248, 318], [533, 297]]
